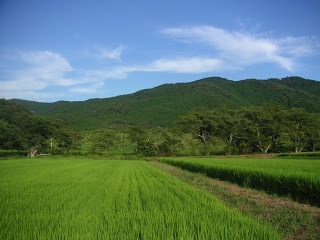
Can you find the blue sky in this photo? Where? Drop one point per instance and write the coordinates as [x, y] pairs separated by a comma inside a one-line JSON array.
[[77, 50]]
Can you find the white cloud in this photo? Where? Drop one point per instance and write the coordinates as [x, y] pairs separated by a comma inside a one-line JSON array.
[[53, 61], [41, 69], [297, 46], [33, 74], [87, 89], [185, 65], [104, 74], [239, 49], [113, 54], [32, 95], [179, 65]]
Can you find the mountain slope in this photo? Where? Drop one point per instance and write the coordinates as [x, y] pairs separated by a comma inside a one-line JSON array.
[[21, 129], [162, 105]]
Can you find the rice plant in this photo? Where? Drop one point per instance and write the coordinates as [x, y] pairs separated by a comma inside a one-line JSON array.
[[105, 199], [298, 179]]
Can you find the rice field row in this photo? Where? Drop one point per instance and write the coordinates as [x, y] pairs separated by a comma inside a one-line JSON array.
[[105, 199], [298, 179]]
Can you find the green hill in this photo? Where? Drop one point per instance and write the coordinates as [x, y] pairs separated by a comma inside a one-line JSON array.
[[163, 105], [22, 129]]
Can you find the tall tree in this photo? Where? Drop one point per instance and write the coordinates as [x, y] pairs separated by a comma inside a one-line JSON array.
[[201, 125], [228, 129], [145, 145], [68, 139], [313, 132], [297, 127], [168, 144], [263, 130], [9, 136], [36, 131], [103, 139], [31, 132]]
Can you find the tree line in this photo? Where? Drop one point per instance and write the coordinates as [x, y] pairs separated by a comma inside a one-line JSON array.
[[23, 130], [248, 130], [255, 129], [225, 131]]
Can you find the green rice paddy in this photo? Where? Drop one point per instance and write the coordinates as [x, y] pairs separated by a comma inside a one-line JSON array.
[[55, 198], [296, 178]]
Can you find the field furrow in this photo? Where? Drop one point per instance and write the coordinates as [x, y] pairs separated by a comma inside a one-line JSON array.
[[297, 179], [105, 199]]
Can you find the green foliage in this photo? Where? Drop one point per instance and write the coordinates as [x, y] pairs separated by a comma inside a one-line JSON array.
[[229, 124], [254, 129], [9, 137], [297, 125], [23, 129], [102, 140], [152, 143], [213, 116], [163, 105], [56, 198], [68, 139], [306, 155], [201, 125], [168, 146], [298, 179]]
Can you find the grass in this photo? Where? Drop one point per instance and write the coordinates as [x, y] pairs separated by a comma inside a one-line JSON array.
[[11, 153], [291, 219], [55, 198], [306, 155], [297, 179]]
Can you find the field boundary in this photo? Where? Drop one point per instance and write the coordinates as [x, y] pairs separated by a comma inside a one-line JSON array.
[[300, 188], [292, 219]]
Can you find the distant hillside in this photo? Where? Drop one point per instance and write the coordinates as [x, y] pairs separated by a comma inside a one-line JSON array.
[[13, 112], [163, 105]]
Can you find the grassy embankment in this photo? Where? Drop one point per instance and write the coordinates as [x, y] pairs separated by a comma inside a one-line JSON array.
[[298, 179]]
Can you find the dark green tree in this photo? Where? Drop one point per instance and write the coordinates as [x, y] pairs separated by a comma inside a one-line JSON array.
[[36, 132], [201, 124], [138, 136], [9, 136], [297, 126], [68, 139], [228, 129], [103, 140], [144, 144], [167, 146], [28, 131], [313, 132], [262, 128]]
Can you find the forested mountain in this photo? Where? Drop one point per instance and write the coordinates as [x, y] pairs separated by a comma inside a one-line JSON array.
[[163, 105], [22, 129]]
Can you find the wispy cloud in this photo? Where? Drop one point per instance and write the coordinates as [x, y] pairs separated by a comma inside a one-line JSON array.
[[92, 88], [33, 74], [33, 95], [230, 50], [106, 53], [37, 74], [41, 69], [240, 49], [184, 65], [179, 65]]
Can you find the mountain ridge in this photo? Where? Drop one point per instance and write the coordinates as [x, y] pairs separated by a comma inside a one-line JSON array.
[[164, 104]]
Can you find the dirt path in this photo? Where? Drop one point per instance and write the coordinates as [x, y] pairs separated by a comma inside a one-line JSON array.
[[293, 220]]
